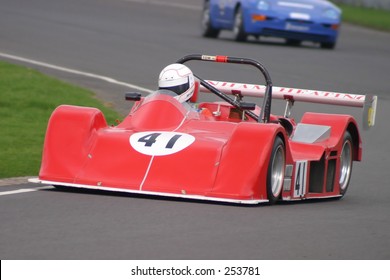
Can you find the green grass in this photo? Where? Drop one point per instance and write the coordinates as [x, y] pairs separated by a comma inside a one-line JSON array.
[[372, 18], [27, 99]]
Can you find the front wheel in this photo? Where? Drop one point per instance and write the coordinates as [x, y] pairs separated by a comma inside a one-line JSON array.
[[207, 30], [346, 159], [238, 28], [293, 42], [276, 167], [329, 46]]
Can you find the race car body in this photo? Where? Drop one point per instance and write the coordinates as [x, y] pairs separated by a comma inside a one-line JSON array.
[[296, 21], [228, 151]]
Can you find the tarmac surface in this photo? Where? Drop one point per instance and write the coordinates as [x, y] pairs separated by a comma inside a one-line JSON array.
[[131, 41]]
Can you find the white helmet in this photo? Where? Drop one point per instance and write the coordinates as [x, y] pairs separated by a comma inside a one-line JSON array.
[[179, 79]]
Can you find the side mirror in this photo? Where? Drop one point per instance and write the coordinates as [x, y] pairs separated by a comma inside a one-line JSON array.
[[133, 96]]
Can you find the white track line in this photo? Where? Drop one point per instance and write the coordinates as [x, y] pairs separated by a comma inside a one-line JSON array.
[[167, 4], [68, 70], [26, 190], [73, 71], [100, 77]]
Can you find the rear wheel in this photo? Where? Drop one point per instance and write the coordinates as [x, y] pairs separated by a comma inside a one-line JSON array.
[[293, 42], [329, 46], [207, 29], [276, 167], [346, 159], [238, 28]]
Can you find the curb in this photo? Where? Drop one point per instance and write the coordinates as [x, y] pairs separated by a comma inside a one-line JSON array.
[[14, 181]]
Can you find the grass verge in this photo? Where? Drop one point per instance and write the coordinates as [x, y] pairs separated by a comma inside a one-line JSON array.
[[372, 18], [27, 99]]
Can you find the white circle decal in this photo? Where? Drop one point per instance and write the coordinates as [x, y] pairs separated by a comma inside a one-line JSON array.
[[160, 143]]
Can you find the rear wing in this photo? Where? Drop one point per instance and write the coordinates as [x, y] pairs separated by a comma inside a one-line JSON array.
[[268, 92], [367, 102]]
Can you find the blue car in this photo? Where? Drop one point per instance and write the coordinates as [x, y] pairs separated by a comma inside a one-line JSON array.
[[294, 20]]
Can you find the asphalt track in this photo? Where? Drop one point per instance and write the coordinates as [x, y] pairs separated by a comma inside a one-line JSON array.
[[131, 41]]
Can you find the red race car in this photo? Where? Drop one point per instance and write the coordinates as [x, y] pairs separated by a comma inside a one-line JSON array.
[[228, 151]]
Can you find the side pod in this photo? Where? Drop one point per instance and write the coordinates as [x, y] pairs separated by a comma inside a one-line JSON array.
[[69, 136]]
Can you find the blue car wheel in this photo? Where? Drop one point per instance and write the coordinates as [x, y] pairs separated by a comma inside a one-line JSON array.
[[293, 42], [238, 28], [207, 29], [328, 45]]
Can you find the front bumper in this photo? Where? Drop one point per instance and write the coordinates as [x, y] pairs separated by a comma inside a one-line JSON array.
[[292, 29], [152, 193]]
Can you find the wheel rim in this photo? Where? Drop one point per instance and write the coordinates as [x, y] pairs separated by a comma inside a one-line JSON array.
[[277, 171], [237, 23], [205, 19], [345, 165]]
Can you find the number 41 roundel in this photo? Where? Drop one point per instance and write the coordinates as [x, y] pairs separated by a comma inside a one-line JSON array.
[[160, 143]]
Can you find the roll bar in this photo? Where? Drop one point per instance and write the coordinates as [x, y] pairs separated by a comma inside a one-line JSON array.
[[266, 107]]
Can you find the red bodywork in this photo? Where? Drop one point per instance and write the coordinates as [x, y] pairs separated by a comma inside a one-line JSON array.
[[227, 159], [227, 151]]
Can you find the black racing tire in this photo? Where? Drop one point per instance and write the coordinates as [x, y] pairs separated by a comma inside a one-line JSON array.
[[329, 46], [346, 162], [238, 28], [275, 173], [293, 42], [207, 30]]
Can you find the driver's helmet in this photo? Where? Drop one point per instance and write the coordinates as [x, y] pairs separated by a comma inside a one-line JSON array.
[[179, 79]]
